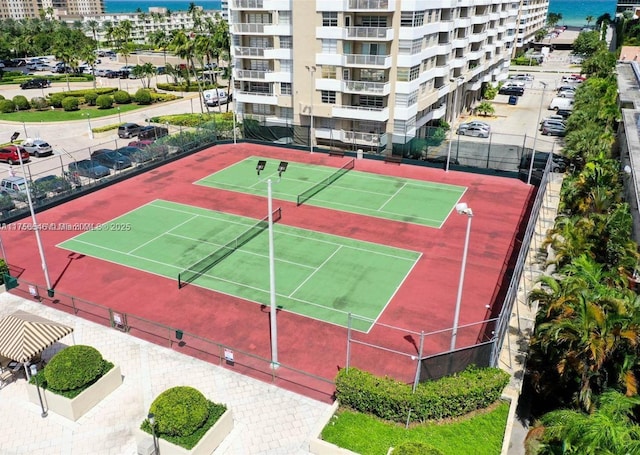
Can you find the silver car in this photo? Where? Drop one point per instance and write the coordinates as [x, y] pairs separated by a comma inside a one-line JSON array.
[[474, 123], [475, 131], [37, 147]]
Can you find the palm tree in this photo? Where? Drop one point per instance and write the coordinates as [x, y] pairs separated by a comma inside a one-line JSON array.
[[553, 19], [184, 46], [122, 34], [93, 26], [589, 19]]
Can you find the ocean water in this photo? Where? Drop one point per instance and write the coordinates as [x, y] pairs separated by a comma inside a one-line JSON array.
[[574, 12], [127, 6]]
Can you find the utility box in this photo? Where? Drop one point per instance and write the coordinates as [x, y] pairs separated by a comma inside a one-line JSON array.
[[513, 100]]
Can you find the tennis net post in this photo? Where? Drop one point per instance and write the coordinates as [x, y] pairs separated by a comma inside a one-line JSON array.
[[315, 189], [205, 264]]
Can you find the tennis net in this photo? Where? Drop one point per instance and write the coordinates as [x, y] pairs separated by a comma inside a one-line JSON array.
[[208, 262], [315, 189]]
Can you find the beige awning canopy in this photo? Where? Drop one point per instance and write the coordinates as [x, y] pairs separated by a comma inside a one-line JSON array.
[[24, 335]]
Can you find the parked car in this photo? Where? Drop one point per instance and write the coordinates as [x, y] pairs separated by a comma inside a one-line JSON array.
[[567, 94], [552, 122], [111, 159], [37, 147], [128, 130], [554, 130], [151, 147], [135, 154], [474, 123], [35, 83], [558, 162], [112, 74], [522, 77], [573, 78], [52, 184], [16, 188], [216, 96], [88, 168], [475, 131], [511, 90], [101, 72], [152, 132], [9, 154], [565, 113], [561, 103]]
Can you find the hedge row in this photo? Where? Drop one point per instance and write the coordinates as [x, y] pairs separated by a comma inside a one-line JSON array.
[[451, 396], [169, 87]]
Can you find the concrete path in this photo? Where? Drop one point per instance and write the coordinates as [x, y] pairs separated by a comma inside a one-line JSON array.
[[268, 420]]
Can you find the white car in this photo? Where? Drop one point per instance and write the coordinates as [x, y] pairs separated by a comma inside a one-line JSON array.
[[475, 131], [101, 72], [522, 77], [37, 147], [474, 123]]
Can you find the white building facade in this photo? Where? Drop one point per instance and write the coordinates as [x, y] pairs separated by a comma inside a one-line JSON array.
[[366, 73]]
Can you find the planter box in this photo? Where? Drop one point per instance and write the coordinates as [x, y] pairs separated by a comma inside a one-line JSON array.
[[317, 446], [209, 442], [75, 408]]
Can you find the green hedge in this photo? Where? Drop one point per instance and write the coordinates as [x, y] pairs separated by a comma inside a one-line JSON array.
[[70, 103], [74, 367], [193, 87], [451, 396], [83, 93]]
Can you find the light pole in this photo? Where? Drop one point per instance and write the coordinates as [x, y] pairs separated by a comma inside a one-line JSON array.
[[36, 229], [458, 81], [34, 373], [535, 136], [152, 422], [234, 124], [272, 284], [89, 123], [312, 70], [462, 209]]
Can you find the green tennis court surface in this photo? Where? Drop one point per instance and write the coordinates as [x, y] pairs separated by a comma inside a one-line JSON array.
[[394, 198], [320, 276]]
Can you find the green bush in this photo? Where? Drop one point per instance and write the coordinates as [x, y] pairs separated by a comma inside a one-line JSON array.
[[74, 367], [1, 97], [451, 396], [21, 102], [91, 97], [179, 411], [55, 99], [415, 448], [39, 103], [181, 87], [104, 101], [122, 97], [143, 96], [70, 103], [7, 106]]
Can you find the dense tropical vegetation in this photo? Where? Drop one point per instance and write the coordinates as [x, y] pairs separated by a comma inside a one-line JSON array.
[[584, 360]]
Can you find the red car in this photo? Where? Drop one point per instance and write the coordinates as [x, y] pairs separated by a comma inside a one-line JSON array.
[[9, 154]]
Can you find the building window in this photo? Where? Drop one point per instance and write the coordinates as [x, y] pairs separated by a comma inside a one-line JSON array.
[[286, 42], [286, 112], [403, 74], [414, 73], [404, 47], [374, 21], [285, 88], [284, 17], [328, 97], [263, 109], [286, 66], [416, 46], [330, 19], [329, 46], [328, 72], [371, 101], [412, 18]]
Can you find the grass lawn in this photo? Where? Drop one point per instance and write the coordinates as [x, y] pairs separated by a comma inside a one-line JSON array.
[[60, 115], [479, 434]]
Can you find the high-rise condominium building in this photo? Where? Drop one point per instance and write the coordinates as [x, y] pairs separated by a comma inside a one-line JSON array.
[[23, 9], [366, 73], [532, 16]]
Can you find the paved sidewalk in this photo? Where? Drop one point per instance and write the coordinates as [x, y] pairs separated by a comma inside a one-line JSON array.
[[268, 420]]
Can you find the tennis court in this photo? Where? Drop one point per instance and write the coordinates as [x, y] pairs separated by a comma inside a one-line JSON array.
[[230, 254], [346, 189]]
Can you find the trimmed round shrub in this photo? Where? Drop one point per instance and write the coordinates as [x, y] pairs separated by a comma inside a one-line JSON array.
[[70, 103], [55, 99], [7, 106], [74, 367], [143, 96], [122, 97], [90, 98], [39, 103], [104, 101], [415, 448], [21, 102], [1, 97], [180, 411]]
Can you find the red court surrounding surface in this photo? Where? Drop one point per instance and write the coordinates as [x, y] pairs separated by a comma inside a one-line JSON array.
[[425, 302]]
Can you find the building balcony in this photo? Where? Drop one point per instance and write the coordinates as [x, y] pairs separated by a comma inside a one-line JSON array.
[[249, 51], [255, 97], [351, 137], [458, 62], [278, 29], [372, 5], [439, 112], [463, 22], [367, 88], [370, 33], [374, 114], [377, 61], [477, 37], [330, 33], [446, 26], [482, 19], [473, 85], [248, 4], [330, 59], [278, 54], [461, 42], [243, 75], [475, 55], [278, 76], [441, 71], [249, 29]]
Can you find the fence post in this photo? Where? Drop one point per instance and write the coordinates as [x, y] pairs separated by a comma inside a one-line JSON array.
[[348, 340], [419, 363]]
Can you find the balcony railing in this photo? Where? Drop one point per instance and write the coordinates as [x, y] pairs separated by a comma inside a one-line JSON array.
[[363, 108], [369, 4], [354, 136], [361, 86], [249, 28], [251, 74], [243, 92], [248, 4], [367, 32], [369, 60], [251, 51]]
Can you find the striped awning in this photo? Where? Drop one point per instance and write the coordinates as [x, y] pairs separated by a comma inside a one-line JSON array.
[[24, 335]]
